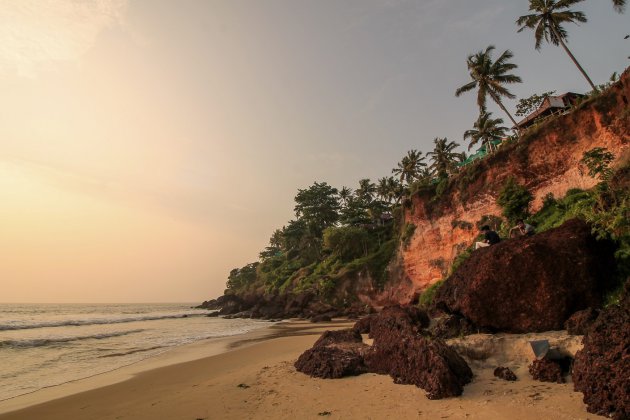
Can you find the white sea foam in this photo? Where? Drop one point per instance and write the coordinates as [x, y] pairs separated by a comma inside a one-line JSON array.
[[46, 345]]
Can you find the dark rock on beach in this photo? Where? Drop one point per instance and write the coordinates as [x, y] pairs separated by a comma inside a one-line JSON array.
[[399, 350], [334, 355], [405, 320], [547, 370], [331, 362], [601, 370], [428, 363], [531, 284], [451, 326], [504, 373]]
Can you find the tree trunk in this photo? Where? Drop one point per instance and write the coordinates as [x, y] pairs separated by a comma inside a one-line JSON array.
[[568, 51], [498, 101]]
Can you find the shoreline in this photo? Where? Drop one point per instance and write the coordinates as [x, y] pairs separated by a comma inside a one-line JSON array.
[[253, 377], [181, 354]]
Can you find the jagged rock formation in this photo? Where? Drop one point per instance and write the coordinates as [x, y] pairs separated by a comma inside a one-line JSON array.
[[399, 349], [546, 370], [504, 373], [531, 284], [334, 355], [601, 370]]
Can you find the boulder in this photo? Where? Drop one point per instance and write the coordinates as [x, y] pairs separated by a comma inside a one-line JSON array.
[[398, 350], [428, 363], [330, 362], [321, 318], [362, 326], [601, 370], [579, 322], [451, 326], [531, 284], [546, 370], [406, 320], [336, 337], [334, 355], [504, 373]]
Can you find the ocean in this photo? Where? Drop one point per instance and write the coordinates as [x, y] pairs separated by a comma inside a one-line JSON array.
[[43, 345]]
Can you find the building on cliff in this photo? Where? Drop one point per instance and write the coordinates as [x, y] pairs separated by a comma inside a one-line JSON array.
[[551, 105]]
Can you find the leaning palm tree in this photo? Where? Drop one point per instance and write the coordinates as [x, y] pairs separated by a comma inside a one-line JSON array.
[[619, 5], [490, 77], [410, 166], [547, 20], [443, 157], [486, 130]]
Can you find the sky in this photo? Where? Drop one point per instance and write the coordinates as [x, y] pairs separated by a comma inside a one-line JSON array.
[[147, 147]]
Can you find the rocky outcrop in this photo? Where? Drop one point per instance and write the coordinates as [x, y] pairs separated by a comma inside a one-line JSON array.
[[531, 284], [402, 320], [399, 349], [334, 355], [451, 326], [418, 360], [579, 322], [546, 370], [504, 373], [601, 370]]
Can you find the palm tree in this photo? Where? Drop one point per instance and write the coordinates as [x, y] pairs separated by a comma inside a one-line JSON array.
[[486, 130], [345, 194], [547, 20], [410, 166], [366, 190], [443, 157], [619, 5], [489, 78], [382, 189]]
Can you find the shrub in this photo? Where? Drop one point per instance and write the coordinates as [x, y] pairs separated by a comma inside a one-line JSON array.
[[426, 298], [514, 199]]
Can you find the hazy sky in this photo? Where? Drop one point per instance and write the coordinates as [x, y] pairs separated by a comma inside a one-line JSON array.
[[147, 147]]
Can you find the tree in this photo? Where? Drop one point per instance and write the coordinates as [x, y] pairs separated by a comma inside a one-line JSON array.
[[526, 106], [490, 77], [345, 194], [486, 130], [382, 189], [410, 166], [318, 206], [366, 190], [443, 158], [514, 199], [547, 20], [619, 5]]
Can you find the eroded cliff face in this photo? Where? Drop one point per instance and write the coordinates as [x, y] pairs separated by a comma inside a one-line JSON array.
[[545, 160]]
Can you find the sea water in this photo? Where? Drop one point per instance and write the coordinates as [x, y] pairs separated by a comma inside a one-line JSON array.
[[43, 345]]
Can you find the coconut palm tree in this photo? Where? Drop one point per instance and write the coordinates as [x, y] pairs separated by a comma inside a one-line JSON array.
[[382, 189], [547, 20], [443, 157], [410, 166], [345, 194], [366, 190], [486, 130], [619, 5], [490, 77]]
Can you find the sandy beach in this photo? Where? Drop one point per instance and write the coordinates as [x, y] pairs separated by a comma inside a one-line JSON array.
[[252, 377]]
